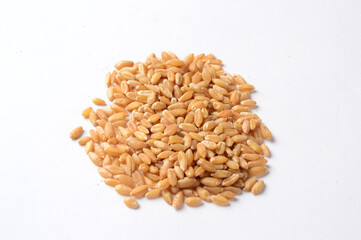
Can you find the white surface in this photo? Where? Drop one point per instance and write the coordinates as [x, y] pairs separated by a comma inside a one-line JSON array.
[[302, 56]]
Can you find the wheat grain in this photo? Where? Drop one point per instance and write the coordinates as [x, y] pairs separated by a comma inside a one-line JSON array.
[[219, 200], [178, 128], [131, 203], [193, 201], [76, 132], [258, 187], [98, 101]]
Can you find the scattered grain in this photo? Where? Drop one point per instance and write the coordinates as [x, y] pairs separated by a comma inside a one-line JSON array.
[[131, 202], [98, 101], [76, 132], [178, 128]]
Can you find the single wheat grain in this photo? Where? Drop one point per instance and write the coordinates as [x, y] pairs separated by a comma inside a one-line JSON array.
[[76, 132]]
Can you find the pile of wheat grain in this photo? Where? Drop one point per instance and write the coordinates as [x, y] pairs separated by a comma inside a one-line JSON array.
[[177, 129]]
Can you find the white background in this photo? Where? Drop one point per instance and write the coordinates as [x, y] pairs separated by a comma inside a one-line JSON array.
[[302, 56]]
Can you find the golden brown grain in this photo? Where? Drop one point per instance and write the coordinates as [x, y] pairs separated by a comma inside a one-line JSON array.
[[172, 177], [233, 189], [208, 166], [111, 182], [265, 150], [182, 159], [203, 194], [127, 180], [98, 101], [179, 172], [139, 192], [89, 147], [255, 147], [124, 63], [123, 189], [170, 130], [163, 184], [95, 159], [76, 132], [178, 128], [201, 150], [188, 127], [249, 183], [193, 201], [114, 169], [248, 103], [104, 173], [219, 200], [230, 180], [266, 133], [245, 87], [251, 156], [167, 196], [153, 193], [84, 140], [221, 174], [214, 190], [228, 194], [258, 171], [218, 159], [131, 202], [258, 187], [86, 112], [259, 162], [178, 200], [186, 182], [210, 181]]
